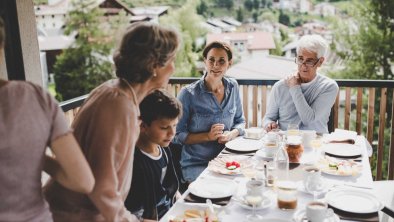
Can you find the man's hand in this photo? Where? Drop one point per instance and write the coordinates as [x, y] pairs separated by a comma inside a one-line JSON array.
[[270, 126], [293, 80]]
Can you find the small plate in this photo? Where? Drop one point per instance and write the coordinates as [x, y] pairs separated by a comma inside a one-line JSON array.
[[244, 145], [267, 202], [342, 150], [301, 187], [300, 216], [261, 153], [213, 188], [218, 165], [353, 201]]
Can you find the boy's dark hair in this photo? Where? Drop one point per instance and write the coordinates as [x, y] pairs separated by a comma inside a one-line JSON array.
[[218, 45], [159, 105], [2, 34]]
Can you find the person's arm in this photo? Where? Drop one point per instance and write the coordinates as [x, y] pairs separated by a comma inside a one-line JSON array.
[[239, 118], [238, 127], [69, 167], [320, 109], [272, 112]]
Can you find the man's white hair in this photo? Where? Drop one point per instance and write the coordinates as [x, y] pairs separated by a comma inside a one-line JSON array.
[[313, 43]]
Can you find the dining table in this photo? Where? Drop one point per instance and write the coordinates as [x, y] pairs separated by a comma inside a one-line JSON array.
[[235, 210]]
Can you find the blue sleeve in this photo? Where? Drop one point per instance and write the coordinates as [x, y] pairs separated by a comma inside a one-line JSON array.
[[239, 118], [182, 130]]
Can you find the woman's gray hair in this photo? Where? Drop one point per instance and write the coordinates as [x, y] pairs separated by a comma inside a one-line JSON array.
[[313, 43]]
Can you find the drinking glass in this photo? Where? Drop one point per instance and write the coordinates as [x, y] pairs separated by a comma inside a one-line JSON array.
[[254, 197], [314, 184], [248, 169], [293, 130], [316, 144]]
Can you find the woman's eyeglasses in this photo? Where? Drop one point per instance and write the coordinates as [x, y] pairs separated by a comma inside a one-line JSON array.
[[308, 63]]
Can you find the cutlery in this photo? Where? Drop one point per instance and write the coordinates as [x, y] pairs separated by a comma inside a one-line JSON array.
[[388, 211]]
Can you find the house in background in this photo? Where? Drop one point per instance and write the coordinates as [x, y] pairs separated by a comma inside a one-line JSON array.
[[324, 9], [247, 44], [148, 13]]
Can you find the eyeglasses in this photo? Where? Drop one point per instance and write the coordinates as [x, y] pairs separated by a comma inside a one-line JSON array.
[[308, 63]]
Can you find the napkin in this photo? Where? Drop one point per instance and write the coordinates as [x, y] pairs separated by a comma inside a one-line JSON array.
[[344, 215], [342, 136], [195, 199]]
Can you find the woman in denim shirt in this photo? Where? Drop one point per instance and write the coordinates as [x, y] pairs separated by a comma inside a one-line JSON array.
[[212, 112]]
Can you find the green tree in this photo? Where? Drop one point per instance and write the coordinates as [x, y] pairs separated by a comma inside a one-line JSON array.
[[263, 3], [284, 18], [256, 4], [86, 63], [240, 14], [202, 8], [366, 43], [255, 16], [188, 22], [248, 5]]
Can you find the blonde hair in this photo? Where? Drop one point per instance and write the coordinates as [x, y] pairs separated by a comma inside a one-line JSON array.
[[144, 46]]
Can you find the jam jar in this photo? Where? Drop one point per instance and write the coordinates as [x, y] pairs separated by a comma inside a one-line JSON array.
[[294, 148]]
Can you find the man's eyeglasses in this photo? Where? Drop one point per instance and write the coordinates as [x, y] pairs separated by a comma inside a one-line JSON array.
[[309, 63]]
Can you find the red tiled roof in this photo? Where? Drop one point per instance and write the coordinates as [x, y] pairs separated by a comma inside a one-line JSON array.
[[256, 40]]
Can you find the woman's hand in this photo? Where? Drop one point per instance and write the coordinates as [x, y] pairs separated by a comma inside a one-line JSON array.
[[227, 136], [215, 132]]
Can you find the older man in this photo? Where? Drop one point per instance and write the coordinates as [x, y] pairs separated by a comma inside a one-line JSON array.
[[306, 97]]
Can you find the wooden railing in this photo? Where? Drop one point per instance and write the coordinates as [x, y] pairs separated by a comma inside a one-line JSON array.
[[364, 106]]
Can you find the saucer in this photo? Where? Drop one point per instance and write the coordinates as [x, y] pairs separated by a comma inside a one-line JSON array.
[[300, 216], [261, 153], [267, 202]]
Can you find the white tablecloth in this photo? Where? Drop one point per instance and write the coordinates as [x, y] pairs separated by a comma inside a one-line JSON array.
[[234, 212]]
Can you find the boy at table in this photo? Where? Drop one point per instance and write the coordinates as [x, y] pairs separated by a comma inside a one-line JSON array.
[[155, 185]]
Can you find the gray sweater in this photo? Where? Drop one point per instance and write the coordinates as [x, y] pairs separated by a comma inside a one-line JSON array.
[[307, 105]]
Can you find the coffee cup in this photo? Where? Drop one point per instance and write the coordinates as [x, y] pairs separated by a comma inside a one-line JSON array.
[[307, 137], [254, 133], [254, 187], [317, 211]]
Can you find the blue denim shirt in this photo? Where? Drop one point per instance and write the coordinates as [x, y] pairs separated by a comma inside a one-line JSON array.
[[200, 111]]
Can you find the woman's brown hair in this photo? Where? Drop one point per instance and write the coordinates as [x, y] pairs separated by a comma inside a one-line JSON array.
[[218, 45], [144, 47]]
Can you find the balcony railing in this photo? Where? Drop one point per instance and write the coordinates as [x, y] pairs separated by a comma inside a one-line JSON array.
[[364, 106]]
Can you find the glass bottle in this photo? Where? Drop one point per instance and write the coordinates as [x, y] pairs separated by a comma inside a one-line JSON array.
[[281, 162]]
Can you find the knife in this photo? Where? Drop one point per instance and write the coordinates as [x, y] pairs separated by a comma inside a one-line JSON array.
[[388, 211]]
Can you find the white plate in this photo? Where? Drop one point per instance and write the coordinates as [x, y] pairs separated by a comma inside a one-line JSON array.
[[342, 150], [218, 165], [213, 188], [336, 173], [182, 207], [273, 220], [265, 204], [300, 216], [244, 145], [353, 201]]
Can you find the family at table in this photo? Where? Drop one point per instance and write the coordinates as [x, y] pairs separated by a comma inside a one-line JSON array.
[[114, 163]]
